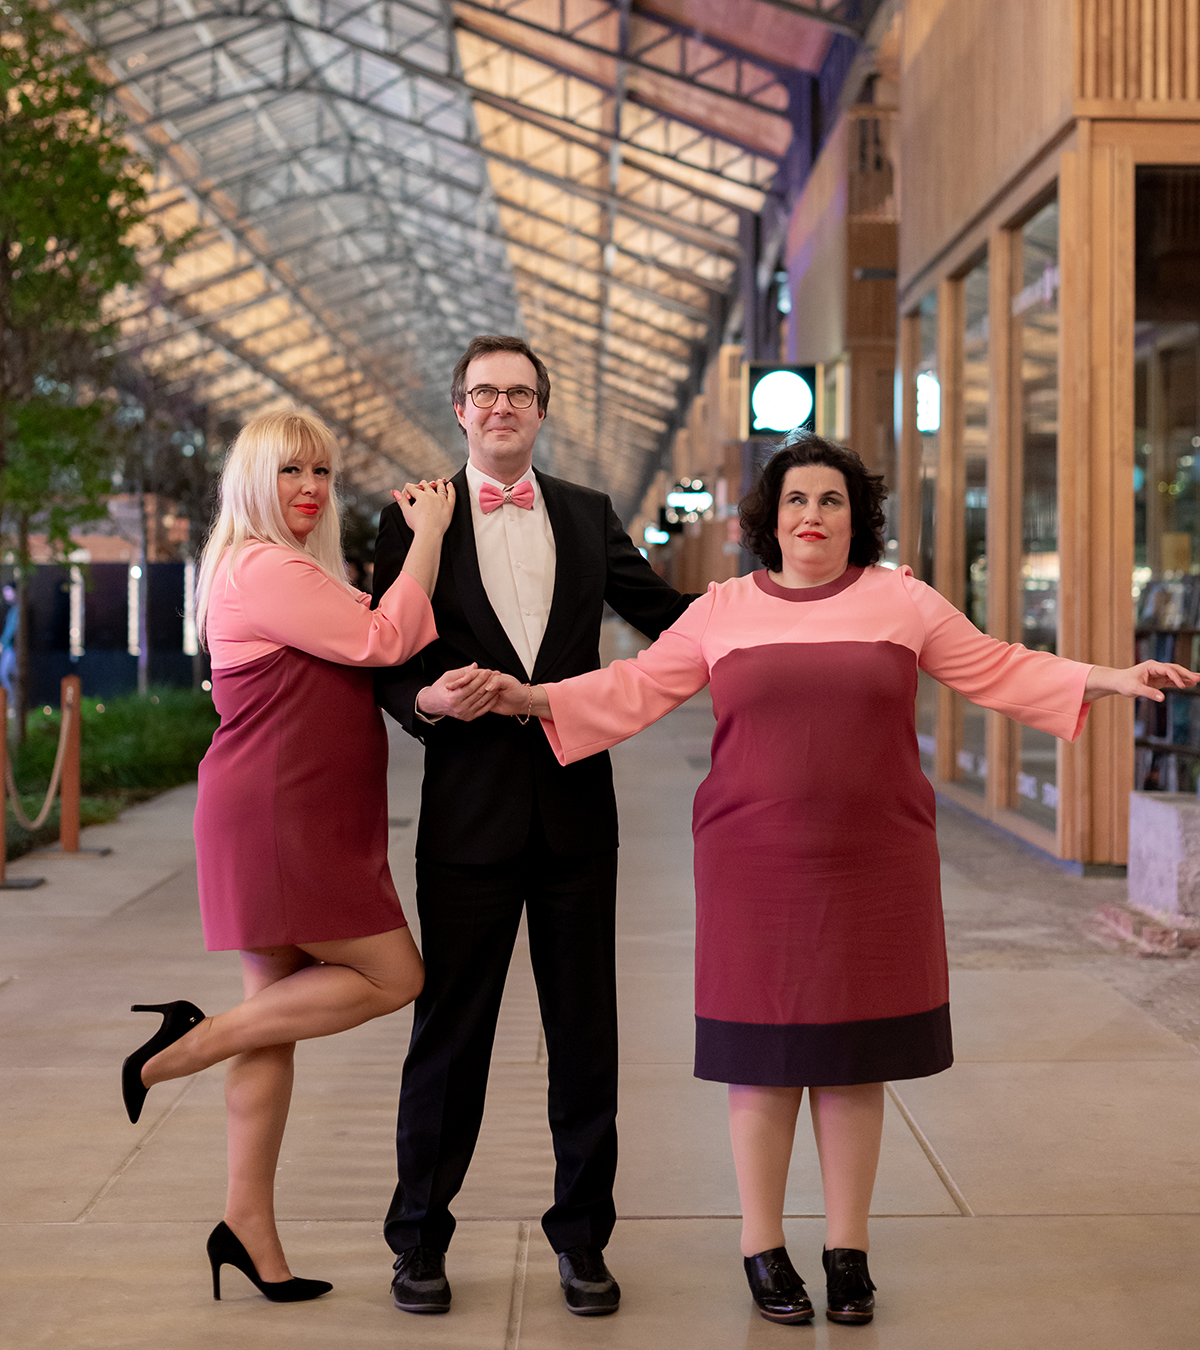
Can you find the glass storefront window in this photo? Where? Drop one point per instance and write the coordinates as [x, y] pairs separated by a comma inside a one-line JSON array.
[[929, 421], [1035, 321], [1166, 577], [972, 754]]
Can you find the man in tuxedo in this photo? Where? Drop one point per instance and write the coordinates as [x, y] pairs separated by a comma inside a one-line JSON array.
[[527, 565]]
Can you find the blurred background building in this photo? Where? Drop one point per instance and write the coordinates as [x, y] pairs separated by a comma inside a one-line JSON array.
[[971, 229]]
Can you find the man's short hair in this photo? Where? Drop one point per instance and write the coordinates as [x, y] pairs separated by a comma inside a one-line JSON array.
[[484, 345]]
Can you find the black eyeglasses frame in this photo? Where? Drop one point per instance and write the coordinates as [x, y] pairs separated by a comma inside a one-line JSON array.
[[508, 394]]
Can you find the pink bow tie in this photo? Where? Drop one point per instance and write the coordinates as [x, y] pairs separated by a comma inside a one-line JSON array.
[[491, 497]]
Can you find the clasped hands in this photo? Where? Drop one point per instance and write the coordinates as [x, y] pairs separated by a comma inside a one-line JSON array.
[[469, 692]]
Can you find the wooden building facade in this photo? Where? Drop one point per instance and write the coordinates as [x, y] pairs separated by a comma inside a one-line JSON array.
[[1048, 409]]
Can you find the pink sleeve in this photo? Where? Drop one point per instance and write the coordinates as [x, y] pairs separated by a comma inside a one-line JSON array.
[[594, 711], [1038, 688], [287, 599]]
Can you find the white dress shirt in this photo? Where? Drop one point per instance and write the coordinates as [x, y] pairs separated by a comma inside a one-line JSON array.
[[517, 557]]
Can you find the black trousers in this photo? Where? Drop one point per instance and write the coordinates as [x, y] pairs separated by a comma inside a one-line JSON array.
[[469, 921]]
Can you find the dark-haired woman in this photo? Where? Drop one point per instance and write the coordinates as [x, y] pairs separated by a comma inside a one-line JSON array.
[[820, 953]]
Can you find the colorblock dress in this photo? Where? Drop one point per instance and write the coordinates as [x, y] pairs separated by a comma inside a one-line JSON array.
[[291, 816], [820, 948]]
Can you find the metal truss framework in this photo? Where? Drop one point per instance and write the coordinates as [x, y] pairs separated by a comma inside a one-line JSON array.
[[372, 182]]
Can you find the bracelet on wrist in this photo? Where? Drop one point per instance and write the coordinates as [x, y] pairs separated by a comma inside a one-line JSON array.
[[528, 711]]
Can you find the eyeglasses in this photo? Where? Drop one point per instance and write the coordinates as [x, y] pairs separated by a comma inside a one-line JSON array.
[[485, 395]]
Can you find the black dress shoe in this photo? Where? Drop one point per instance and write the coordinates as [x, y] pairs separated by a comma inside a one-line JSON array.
[[419, 1284], [587, 1282], [777, 1291], [849, 1293]]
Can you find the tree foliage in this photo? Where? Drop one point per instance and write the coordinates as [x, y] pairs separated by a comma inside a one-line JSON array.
[[72, 217], [72, 199]]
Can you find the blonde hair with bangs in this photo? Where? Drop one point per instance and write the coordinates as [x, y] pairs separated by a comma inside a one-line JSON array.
[[250, 510]]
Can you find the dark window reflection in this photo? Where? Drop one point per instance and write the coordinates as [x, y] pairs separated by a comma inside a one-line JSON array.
[[1166, 451]]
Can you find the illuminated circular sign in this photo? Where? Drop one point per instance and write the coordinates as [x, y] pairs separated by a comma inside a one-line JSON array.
[[781, 401]]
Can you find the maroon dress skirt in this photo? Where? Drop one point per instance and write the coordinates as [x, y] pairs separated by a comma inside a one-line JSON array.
[[291, 816]]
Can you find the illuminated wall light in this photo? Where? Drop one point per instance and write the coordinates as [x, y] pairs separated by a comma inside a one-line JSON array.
[[132, 626], [929, 403], [191, 640], [690, 498], [653, 535], [781, 401], [75, 620]]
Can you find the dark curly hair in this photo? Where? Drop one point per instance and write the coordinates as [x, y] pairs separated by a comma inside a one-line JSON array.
[[759, 509]]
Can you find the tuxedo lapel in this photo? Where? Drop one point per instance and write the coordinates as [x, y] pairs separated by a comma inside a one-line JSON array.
[[468, 584], [566, 574]]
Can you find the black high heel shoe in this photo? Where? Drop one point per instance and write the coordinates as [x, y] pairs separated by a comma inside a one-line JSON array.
[[177, 1020], [850, 1294], [225, 1249], [778, 1292]]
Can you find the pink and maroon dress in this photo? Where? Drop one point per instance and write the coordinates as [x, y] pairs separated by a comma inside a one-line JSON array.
[[820, 950], [291, 817]]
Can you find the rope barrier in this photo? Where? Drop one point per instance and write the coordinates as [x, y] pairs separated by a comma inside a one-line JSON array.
[[52, 792]]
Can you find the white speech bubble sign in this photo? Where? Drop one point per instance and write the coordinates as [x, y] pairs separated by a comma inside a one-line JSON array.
[[781, 401]]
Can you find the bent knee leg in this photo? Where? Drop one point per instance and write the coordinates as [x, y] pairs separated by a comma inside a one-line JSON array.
[[402, 987]]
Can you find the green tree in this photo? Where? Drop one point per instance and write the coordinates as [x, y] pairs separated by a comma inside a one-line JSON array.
[[72, 198]]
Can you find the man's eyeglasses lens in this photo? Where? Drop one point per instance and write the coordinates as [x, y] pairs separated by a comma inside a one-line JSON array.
[[519, 396]]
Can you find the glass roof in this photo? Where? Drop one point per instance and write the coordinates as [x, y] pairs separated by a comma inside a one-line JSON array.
[[372, 184]]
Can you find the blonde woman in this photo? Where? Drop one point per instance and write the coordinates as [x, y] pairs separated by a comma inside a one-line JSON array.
[[291, 817]]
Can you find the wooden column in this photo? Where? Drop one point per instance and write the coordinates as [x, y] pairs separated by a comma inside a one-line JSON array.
[[1100, 765]]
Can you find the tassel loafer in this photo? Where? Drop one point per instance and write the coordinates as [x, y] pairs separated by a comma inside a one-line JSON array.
[[778, 1292], [177, 1020], [850, 1294]]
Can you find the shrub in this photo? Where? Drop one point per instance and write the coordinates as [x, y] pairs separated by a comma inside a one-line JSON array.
[[128, 744]]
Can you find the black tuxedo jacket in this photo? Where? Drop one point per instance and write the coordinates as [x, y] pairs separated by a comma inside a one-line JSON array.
[[482, 778]]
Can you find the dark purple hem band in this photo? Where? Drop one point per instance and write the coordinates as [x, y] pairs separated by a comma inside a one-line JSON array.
[[796, 593], [836, 1054]]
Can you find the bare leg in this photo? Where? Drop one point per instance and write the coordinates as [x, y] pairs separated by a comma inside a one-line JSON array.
[[352, 981], [258, 1090], [762, 1126], [848, 1125]]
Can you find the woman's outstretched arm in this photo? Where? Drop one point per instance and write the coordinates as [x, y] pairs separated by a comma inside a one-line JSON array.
[[589, 713]]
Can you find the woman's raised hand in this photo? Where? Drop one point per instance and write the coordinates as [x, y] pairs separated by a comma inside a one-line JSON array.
[[427, 510], [427, 506], [1140, 681]]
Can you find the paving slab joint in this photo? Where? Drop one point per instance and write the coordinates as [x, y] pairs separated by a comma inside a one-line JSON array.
[[516, 1304]]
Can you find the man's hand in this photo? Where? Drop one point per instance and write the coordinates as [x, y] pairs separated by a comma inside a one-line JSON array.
[[461, 693]]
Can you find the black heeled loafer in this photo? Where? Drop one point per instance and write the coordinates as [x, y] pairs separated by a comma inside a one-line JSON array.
[[849, 1291], [778, 1292], [225, 1249], [177, 1020]]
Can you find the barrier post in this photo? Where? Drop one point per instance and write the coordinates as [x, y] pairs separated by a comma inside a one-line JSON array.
[[69, 801], [8, 883]]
